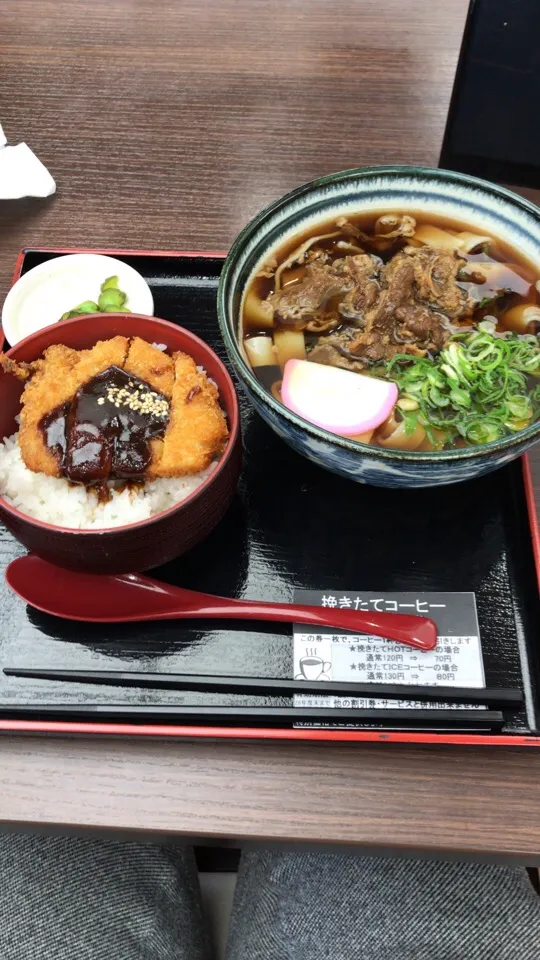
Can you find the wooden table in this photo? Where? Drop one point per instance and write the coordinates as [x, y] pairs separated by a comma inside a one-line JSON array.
[[167, 125]]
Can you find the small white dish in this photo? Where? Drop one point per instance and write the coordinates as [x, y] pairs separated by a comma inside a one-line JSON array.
[[41, 296]]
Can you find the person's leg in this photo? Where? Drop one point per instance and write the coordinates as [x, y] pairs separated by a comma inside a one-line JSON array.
[[314, 906], [90, 899]]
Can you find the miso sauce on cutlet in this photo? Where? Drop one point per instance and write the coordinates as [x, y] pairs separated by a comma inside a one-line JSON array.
[[104, 432]]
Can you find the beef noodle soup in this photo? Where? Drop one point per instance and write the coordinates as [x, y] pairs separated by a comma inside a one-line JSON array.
[[438, 324]]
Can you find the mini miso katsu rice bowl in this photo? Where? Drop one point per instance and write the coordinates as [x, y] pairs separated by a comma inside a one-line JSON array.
[[119, 442], [385, 323]]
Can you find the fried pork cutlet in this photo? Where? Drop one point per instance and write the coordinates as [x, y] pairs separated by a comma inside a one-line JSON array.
[[23, 371], [55, 380], [196, 431], [150, 364]]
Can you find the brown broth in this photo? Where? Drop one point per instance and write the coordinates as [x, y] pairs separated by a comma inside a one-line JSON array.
[[518, 280], [500, 252]]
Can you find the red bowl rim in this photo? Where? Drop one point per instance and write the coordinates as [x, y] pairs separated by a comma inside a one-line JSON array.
[[234, 426]]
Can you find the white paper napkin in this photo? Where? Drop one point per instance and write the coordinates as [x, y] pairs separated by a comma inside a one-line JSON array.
[[21, 173]]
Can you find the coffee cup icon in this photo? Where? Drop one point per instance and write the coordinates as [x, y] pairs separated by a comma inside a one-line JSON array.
[[313, 668]]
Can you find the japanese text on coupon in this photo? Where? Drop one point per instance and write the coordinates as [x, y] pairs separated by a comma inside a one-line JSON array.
[[326, 655]]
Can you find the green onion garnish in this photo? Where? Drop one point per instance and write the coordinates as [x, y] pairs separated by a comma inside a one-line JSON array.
[[476, 390]]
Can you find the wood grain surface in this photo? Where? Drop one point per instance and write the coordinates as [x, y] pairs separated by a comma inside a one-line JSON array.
[[398, 799], [167, 125]]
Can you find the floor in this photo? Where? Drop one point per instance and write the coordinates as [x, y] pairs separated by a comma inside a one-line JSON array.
[[217, 894]]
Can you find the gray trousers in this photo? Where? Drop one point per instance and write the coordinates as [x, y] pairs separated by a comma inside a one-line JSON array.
[[87, 899]]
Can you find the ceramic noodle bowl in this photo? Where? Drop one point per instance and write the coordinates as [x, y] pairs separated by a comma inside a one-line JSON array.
[[477, 205]]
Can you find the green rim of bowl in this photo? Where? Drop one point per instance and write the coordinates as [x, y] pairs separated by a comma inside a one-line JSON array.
[[353, 446]]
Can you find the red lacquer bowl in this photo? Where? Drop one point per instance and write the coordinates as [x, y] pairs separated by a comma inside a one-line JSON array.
[[147, 543]]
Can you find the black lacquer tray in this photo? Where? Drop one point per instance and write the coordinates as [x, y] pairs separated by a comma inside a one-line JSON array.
[[291, 526]]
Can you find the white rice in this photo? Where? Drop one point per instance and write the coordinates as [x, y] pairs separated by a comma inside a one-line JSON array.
[[54, 500], [213, 382]]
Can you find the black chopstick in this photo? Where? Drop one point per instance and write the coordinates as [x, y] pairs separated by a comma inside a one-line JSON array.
[[272, 686], [225, 715]]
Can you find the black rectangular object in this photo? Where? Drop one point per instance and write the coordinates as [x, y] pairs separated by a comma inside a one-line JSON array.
[[491, 130], [292, 525]]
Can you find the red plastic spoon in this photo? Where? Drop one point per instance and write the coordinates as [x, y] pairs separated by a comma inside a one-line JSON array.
[[121, 598]]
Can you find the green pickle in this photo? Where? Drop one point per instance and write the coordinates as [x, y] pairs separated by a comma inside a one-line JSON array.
[[111, 300], [109, 284]]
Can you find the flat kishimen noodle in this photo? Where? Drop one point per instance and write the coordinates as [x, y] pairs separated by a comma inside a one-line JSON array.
[[449, 314]]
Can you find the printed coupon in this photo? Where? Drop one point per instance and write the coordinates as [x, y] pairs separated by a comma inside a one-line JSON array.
[[329, 655]]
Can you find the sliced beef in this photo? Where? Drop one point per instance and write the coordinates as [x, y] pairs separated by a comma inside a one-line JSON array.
[[363, 271], [398, 323], [387, 227], [414, 321], [435, 274], [400, 307], [418, 324], [376, 340], [334, 351], [392, 225], [305, 301], [357, 269]]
